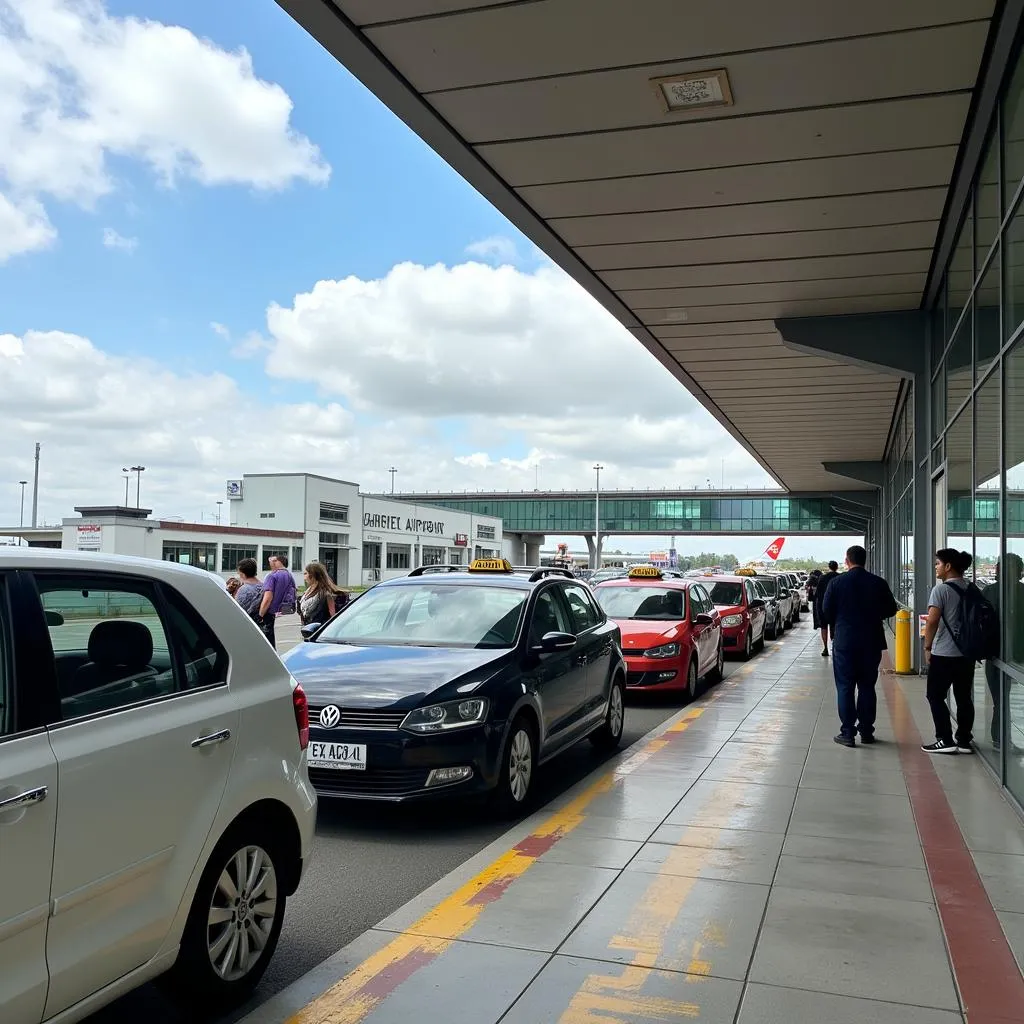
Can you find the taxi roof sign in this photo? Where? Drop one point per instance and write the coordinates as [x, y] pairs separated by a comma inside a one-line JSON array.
[[746, 571], [644, 572], [490, 565]]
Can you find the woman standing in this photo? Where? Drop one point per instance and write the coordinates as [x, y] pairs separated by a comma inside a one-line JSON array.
[[250, 593], [322, 598]]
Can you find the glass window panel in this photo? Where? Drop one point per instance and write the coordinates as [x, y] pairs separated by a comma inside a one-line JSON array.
[[938, 324], [960, 275], [1013, 260], [959, 489], [1011, 566], [987, 334], [988, 206], [960, 365], [1013, 704], [938, 403], [1013, 135]]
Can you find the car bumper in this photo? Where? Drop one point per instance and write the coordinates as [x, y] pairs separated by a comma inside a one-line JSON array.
[[399, 765], [655, 674], [733, 637]]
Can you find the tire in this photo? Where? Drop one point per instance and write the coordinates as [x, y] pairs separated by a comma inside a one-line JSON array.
[[518, 768], [206, 973], [759, 646], [609, 735], [748, 646], [692, 683], [774, 632], [717, 674]]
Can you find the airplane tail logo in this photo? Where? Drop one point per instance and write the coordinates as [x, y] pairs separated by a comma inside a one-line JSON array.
[[775, 548]]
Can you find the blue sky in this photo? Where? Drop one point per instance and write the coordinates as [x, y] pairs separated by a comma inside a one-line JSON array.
[[223, 255]]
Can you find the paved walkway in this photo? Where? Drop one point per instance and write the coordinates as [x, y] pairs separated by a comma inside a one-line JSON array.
[[737, 867]]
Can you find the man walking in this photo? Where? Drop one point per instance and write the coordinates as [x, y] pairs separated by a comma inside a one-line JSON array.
[[278, 590], [855, 605], [819, 599]]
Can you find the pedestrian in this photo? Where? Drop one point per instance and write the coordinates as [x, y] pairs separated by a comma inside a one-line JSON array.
[[278, 593], [250, 590], [232, 584], [856, 606], [820, 589], [322, 599], [948, 667]]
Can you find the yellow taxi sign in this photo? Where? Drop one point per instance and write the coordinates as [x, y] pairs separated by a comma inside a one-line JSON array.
[[746, 571], [490, 565], [644, 572]]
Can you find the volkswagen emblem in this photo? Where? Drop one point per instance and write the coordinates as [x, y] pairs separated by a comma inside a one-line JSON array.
[[330, 716]]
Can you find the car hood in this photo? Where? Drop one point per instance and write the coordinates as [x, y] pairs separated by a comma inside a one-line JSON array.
[[640, 634], [378, 676], [729, 609]]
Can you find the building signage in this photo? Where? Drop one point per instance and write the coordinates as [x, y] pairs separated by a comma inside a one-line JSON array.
[[377, 521], [234, 489], [462, 540], [90, 537]]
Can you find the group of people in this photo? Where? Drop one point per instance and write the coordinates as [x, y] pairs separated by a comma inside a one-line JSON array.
[[852, 608], [264, 600]]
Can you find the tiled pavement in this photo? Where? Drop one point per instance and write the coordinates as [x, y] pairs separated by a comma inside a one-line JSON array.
[[736, 867]]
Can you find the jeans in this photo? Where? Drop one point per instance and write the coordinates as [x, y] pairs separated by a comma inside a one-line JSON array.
[[957, 673], [856, 672], [267, 625]]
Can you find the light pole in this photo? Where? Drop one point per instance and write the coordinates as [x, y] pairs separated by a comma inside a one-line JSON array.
[[597, 515], [392, 471], [138, 471], [21, 522], [219, 503], [127, 477]]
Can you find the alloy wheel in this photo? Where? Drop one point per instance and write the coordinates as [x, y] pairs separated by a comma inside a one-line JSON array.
[[520, 765], [691, 681], [616, 713], [241, 914]]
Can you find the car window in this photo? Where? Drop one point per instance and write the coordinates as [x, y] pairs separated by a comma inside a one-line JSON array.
[[548, 616], [727, 593], [709, 605], [581, 610], [751, 592], [697, 606], [203, 659], [109, 642], [637, 601], [768, 584]]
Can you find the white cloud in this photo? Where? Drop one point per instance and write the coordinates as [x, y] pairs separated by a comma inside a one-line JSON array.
[[220, 329], [496, 249], [78, 86], [114, 240], [249, 345], [23, 227]]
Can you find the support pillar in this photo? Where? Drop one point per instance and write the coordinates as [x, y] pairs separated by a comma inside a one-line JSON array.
[[594, 549], [532, 549]]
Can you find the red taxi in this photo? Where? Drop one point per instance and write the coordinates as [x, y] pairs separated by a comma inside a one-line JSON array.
[[671, 633], [742, 610]]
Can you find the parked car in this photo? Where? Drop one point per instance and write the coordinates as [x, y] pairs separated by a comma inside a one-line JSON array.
[[742, 611], [155, 811]]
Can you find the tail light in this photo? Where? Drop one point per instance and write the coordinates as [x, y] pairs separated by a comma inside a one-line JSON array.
[[301, 708]]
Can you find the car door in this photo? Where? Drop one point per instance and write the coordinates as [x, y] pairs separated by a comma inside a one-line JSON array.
[[28, 820], [755, 609], [144, 738], [558, 678], [596, 644], [707, 636]]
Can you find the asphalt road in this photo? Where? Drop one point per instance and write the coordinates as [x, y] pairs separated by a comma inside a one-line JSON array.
[[370, 859]]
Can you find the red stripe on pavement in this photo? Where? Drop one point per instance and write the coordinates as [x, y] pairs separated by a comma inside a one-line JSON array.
[[986, 971]]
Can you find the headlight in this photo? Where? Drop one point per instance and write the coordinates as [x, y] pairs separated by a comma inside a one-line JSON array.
[[665, 651], [454, 714], [732, 620]]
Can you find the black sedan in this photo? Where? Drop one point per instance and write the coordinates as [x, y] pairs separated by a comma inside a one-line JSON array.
[[454, 680]]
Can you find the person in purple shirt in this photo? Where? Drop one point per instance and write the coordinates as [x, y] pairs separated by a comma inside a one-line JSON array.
[[278, 591]]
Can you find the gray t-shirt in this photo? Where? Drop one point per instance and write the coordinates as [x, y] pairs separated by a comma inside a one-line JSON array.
[[946, 597]]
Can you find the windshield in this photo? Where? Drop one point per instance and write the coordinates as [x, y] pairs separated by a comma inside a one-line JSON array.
[[769, 584], [730, 594], [608, 574], [633, 602], [432, 615]]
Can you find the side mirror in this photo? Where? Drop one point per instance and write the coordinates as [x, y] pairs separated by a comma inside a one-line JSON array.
[[703, 619], [550, 643], [757, 603], [54, 618], [307, 632], [783, 593]]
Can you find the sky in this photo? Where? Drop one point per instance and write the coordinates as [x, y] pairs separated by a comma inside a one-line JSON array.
[[220, 254]]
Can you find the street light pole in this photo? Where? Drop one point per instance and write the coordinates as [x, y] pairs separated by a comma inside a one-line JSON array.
[[597, 516], [138, 471], [219, 503], [392, 471], [127, 477], [21, 522]]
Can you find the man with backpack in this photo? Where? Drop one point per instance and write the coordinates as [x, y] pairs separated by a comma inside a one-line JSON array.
[[962, 629]]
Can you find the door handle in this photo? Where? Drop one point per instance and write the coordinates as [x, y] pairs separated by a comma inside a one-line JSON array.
[[211, 738], [30, 796]]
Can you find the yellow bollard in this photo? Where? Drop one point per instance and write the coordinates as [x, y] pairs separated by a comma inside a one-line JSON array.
[[903, 659]]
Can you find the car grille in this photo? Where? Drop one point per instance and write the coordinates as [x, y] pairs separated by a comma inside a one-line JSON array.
[[372, 782], [644, 679], [374, 719]]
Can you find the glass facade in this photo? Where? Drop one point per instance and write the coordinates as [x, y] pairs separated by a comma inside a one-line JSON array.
[[976, 416]]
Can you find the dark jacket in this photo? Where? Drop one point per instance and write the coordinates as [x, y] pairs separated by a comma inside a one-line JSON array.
[[855, 605], [819, 595]]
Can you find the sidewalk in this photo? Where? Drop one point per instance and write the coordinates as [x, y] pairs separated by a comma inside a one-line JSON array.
[[736, 866]]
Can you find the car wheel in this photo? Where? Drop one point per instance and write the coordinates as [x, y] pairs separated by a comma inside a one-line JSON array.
[[235, 920], [692, 682], [717, 674], [771, 632], [760, 641], [609, 735], [748, 645], [518, 769]]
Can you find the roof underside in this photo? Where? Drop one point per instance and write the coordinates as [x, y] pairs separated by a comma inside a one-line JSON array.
[[819, 191]]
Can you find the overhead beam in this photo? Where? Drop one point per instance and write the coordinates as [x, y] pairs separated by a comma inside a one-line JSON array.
[[870, 473]]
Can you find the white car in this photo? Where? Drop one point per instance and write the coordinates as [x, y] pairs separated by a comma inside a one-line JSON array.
[[155, 807]]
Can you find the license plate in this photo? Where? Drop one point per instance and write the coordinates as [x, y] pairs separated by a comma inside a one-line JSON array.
[[349, 756]]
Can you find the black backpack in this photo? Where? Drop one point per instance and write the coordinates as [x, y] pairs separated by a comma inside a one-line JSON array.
[[978, 635]]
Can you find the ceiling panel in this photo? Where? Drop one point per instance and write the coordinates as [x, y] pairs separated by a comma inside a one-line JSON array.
[[800, 134], [920, 63], [768, 182], [743, 248], [774, 310], [369, 12], [557, 37]]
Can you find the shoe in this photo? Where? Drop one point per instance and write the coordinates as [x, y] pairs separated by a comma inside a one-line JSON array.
[[844, 741], [869, 739], [824, 653], [940, 747], [963, 748]]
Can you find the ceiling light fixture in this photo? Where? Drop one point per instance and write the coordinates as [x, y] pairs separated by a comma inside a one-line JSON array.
[[694, 90]]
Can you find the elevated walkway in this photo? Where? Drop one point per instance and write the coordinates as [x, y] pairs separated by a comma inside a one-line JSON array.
[[735, 867]]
